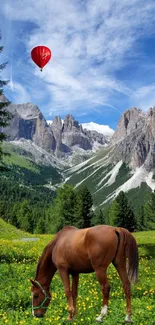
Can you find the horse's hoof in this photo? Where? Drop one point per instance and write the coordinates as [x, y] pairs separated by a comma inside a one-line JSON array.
[[99, 319], [128, 319], [70, 319]]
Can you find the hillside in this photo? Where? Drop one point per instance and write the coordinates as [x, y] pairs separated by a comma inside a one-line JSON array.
[[105, 179], [26, 189], [8, 231], [23, 168]]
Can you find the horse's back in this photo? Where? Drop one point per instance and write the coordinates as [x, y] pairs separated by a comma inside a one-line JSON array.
[[101, 233], [69, 251], [101, 242], [71, 239], [81, 249]]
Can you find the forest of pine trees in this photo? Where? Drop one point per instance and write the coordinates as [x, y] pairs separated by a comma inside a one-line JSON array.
[[44, 211]]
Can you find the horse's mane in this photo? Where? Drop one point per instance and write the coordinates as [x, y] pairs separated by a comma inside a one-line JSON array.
[[50, 247]]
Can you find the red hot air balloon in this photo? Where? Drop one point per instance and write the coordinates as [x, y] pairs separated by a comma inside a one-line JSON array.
[[41, 56]]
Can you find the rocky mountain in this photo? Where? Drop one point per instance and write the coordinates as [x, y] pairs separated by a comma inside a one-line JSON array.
[[134, 139], [66, 142], [126, 164], [126, 161]]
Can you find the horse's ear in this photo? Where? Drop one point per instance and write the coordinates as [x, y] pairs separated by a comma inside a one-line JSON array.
[[33, 282]]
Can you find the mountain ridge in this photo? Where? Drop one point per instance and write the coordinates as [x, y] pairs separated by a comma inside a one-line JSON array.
[[125, 162], [66, 142]]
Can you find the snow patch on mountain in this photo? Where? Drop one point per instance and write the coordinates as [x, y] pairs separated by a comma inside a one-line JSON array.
[[78, 184], [114, 172], [140, 175]]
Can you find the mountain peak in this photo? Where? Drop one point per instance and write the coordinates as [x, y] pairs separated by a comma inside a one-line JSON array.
[[57, 122], [71, 124], [131, 121], [27, 110]]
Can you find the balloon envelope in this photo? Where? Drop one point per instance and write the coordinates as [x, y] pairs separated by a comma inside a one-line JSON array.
[[41, 55]]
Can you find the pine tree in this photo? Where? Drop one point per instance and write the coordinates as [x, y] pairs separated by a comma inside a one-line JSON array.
[[61, 211], [149, 212], [41, 226], [141, 219], [5, 116], [99, 218], [25, 217], [13, 214], [114, 213], [83, 207], [2, 209], [124, 216]]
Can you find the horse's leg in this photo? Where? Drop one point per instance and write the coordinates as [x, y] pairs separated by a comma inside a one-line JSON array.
[[66, 282], [121, 269], [75, 281], [105, 287]]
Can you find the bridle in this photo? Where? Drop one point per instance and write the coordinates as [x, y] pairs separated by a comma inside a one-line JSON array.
[[43, 302]]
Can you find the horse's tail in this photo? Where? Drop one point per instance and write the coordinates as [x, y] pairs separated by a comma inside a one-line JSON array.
[[130, 251]]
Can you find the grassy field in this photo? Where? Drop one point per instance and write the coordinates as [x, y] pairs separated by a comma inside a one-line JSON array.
[[18, 260]]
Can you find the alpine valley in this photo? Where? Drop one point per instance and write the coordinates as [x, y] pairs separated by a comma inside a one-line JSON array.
[[50, 154]]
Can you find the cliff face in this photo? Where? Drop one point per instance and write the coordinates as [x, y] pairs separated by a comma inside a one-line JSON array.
[[131, 122], [134, 138], [28, 123], [72, 134]]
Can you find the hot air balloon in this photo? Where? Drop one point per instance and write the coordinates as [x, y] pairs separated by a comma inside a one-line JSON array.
[[41, 56]]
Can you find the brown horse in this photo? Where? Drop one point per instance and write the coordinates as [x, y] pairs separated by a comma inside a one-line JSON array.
[[75, 251]]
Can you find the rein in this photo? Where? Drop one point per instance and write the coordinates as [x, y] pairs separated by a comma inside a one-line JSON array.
[[43, 302]]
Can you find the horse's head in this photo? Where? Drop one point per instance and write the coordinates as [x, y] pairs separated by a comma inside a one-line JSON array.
[[40, 299]]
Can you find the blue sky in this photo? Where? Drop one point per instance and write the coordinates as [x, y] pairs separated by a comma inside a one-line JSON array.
[[103, 58]]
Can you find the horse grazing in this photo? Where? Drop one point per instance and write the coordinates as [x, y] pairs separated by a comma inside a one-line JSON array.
[[75, 251]]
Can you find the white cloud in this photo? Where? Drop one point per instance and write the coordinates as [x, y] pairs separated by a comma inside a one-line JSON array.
[[104, 129], [90, 42], [51, 121]]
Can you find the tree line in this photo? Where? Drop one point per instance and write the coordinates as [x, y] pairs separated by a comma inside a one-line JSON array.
[[75, 207], [42, 211]]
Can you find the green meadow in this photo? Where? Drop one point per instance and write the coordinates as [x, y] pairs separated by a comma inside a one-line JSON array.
[[18, 260]]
